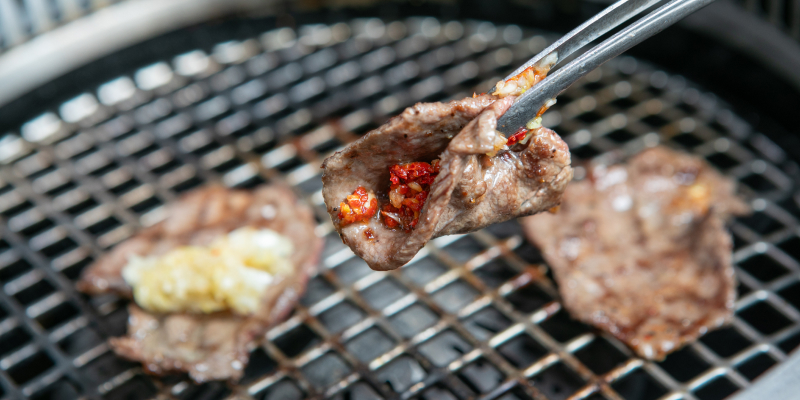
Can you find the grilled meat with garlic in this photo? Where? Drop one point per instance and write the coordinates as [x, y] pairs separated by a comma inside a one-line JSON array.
[[209, 280]]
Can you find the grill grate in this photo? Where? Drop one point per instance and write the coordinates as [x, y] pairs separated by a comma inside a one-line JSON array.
[[21, 20], [469, 317]]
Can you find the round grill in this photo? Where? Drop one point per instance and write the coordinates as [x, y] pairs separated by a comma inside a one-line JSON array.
[[473, 316]]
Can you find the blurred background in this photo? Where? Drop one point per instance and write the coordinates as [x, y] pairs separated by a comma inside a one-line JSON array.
[[109, 109], [743, 50]]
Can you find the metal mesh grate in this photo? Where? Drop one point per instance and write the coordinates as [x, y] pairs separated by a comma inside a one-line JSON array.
[[470, 317], [21, 20]]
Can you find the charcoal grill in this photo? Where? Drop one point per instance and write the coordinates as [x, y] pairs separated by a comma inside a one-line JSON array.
[[473, 316]]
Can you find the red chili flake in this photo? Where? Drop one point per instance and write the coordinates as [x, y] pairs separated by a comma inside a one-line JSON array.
[[517, 136], [411, 181], [419, 172], [369, 234], [357, 207]]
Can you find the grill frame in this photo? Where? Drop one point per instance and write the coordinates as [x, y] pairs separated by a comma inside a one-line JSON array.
[[128, 146]]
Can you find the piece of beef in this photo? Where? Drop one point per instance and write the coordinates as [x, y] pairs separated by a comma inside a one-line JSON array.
[[209, 346], [472, 190], [641, 251]]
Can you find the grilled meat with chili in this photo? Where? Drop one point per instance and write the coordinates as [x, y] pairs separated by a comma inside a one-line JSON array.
[[477, 181], [641, 251]]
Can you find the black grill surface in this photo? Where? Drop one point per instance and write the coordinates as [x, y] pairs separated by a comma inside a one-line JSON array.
[[473, 316]]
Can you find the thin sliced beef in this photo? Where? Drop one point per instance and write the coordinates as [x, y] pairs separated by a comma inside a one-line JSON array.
[[472, 190], [641, 250], [209, 346]]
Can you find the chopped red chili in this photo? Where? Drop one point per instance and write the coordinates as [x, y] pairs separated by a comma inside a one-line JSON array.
[[359, 206], [517, 136], [420, 172], [410, 184]]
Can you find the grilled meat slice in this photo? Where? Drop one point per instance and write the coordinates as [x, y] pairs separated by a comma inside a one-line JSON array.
[[209, 346], [641, 251], [476, 186]]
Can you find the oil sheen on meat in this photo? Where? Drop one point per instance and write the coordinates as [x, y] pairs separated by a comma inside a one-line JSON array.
[[641, 250], [209, 346]]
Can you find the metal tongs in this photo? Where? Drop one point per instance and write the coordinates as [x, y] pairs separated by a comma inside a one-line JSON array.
[[530, 102]]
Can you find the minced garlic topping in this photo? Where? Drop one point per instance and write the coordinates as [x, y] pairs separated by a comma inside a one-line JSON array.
[[230, 274]]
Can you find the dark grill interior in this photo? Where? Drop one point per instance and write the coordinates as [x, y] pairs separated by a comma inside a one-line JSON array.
[[28, 18], [473, 315]]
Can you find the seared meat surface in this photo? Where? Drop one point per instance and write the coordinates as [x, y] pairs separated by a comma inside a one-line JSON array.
[[641, 251], [476, 186], [209, 346]]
